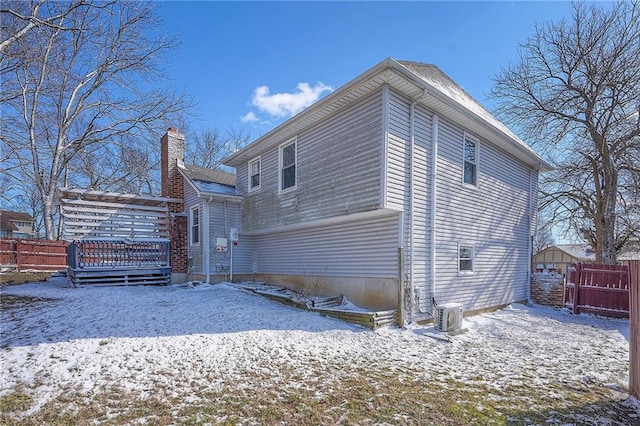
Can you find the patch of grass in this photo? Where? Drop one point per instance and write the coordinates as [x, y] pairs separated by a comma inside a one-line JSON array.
[[10, 301], [15, 278], [16, 401], [346, 395], [602, 412]]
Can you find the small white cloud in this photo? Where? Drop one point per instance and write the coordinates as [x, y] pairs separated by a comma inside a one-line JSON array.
[[249, 117], [282, 104]]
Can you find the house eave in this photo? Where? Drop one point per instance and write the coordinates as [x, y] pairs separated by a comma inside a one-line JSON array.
[[223, 197], [401, 79], [313, 113]]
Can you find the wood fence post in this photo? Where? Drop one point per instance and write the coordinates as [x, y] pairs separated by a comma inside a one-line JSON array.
[[634, 324], [576, 286]]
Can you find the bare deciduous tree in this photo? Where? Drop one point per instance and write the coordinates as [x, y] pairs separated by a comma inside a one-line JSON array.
[[20, 17], [81, 93], [544, 235], [575, 92], [210, 147]]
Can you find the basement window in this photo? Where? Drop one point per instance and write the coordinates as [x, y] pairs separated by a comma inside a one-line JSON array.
[[465, 258], [194, 229], [254, 174]]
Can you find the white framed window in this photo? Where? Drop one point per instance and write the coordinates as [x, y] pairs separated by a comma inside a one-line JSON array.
[[288, 158], [470, 161], [255, 169], [194, 226], [465, 258]]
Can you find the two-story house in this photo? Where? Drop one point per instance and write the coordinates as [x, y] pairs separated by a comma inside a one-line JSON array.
[[397, 189], [16, 224]]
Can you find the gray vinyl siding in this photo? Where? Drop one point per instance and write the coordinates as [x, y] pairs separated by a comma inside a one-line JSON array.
[[422, 210], [398, 153], [363, 248], [195, 251], [493, 218], [399, 189], [222, 217], [534, 203], [339, 164]]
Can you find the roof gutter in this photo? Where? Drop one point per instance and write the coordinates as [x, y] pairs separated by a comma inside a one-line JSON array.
[[256, 147]]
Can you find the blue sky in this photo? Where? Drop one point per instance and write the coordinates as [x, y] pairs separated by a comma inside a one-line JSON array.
[[253, 64]]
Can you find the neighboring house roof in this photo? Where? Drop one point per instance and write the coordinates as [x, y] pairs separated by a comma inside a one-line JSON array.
[[424, 83], [584, 253], [7, 218], [210, 181], [630, 252], [579, 251]]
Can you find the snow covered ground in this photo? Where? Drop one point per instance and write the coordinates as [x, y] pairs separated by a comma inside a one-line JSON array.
[[68, 349]]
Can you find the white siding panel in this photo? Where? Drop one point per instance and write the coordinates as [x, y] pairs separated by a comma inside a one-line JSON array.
[[366, 248], [422, 210], [338, 170], [195, 252], [399, 169], [398, 161], [416, 219], [493, 218], [223, 215]]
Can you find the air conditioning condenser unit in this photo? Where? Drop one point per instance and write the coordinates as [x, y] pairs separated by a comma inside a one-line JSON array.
[[448, 316]]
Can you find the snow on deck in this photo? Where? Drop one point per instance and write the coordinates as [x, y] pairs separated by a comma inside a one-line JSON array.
[[86, 338]]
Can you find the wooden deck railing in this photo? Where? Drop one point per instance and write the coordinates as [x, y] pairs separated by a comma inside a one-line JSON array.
[[118, 254]]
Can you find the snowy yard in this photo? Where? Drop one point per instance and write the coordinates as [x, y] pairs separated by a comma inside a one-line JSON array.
[[219, 355]]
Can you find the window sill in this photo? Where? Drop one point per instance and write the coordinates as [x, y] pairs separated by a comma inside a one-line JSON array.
[[288, 190]]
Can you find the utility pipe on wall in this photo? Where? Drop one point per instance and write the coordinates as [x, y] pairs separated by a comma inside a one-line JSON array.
[[206, 246], [433, 200], [412, 149], [531, 234], [412, 137]]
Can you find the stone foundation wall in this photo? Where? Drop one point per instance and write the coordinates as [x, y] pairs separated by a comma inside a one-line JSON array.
[[547, 288]]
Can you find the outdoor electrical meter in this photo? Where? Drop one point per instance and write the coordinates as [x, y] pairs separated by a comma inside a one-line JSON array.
[[221, 245]]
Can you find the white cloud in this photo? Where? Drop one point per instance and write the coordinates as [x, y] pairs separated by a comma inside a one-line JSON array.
[[249, 117], [282, 104]]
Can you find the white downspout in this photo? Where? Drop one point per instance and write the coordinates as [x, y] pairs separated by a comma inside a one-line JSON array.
[[531, 235], [206, 247], [385, 146], [432, 228], [412, 141], [412, 133]]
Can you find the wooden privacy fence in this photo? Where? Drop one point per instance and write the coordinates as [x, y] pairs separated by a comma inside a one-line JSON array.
[[34, 255], [598, 289]]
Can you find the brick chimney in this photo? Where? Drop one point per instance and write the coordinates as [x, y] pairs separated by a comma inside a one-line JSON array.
[[172, 154]]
